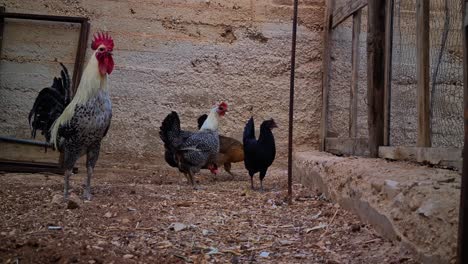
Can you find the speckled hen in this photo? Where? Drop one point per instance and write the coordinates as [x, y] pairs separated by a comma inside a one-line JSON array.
[[190, 151], [84, 122]]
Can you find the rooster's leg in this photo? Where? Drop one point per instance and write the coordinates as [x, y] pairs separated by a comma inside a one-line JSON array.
[[262, 176], [91, 159], [69, 159], [68, 173], [251, 183], [190, 174]]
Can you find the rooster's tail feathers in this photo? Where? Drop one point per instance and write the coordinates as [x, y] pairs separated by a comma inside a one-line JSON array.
[[201, 120], [49, 104], [170, 128], [249, 130]]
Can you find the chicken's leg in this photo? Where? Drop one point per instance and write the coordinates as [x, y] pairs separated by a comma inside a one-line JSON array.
[[262, 176], [91, 159], [227, 167], [69, 159], [68, 173]]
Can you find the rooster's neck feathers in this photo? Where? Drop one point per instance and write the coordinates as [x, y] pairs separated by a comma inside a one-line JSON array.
[[212, 121], [90, 84]]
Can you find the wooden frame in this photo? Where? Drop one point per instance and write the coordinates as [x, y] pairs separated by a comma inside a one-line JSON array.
[[376, 74], [423, 75], [462, 255], [388, 70], [12, 165], [325, 72]]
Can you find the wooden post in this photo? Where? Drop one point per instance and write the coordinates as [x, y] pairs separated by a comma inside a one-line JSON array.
[[81, 55], [2, 25], [326, 72], [463, 213], [375, 74], [355, 56], [422, 68], [388, 70]]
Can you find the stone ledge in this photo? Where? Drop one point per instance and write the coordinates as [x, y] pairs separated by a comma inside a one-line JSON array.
[[415, 206]]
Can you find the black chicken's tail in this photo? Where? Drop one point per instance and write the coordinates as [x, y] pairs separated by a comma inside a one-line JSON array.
[[49, 104], [201, 120], [168, 132], [249, 131], [170, 128]]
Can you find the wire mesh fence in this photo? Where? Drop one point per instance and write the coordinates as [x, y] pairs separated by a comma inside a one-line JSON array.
[[403, 114], [446, 74]]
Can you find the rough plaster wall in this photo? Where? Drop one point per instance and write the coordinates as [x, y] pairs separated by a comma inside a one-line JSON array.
[[25, 68], [185, 55]]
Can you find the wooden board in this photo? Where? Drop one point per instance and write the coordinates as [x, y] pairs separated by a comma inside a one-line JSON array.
[[422, 69], [29, 153], [376, 74], [446, 157], [462, 253], [388, 70], [326, 72], [347, 9], [347, 146], [355, 56]]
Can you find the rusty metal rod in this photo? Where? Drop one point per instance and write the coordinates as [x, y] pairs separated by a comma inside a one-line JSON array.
[[291, 101]]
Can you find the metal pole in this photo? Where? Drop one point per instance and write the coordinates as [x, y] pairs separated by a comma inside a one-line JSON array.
[[462, 228], [291, 102]]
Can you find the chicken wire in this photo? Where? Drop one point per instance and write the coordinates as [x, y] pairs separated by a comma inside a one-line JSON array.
[[446, 74], [403, 113]]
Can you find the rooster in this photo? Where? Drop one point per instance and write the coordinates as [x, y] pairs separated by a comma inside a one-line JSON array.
[[230, 149], [78, 128], [192, 150], [259, 154]]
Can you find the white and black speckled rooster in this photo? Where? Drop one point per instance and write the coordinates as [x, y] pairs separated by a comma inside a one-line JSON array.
[[190, 151], [77, 127]]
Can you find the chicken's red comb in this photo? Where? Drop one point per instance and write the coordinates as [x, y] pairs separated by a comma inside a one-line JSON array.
[[223, 104], [101, 38]]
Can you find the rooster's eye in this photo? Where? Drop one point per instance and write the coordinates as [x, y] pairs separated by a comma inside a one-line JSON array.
[[101, 49]]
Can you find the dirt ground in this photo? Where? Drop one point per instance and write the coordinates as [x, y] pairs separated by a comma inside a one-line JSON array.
[[150, 215]]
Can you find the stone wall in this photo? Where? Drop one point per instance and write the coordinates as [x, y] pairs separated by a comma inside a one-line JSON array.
[[173, 55]]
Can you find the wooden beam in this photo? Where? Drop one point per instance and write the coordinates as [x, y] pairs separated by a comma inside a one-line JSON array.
[[462, 255], [326, 57], [446, 157], [348, 146], [375, 74], [388, 71], [2, 25], [355, 57], [346, 10], [31, 167], [422, 69], [80, 56]]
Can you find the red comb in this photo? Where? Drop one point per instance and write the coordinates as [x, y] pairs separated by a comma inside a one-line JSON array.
[[101, 38], [223, 104]]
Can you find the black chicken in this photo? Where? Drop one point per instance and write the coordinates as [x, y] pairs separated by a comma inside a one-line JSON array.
[[259, 154]]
